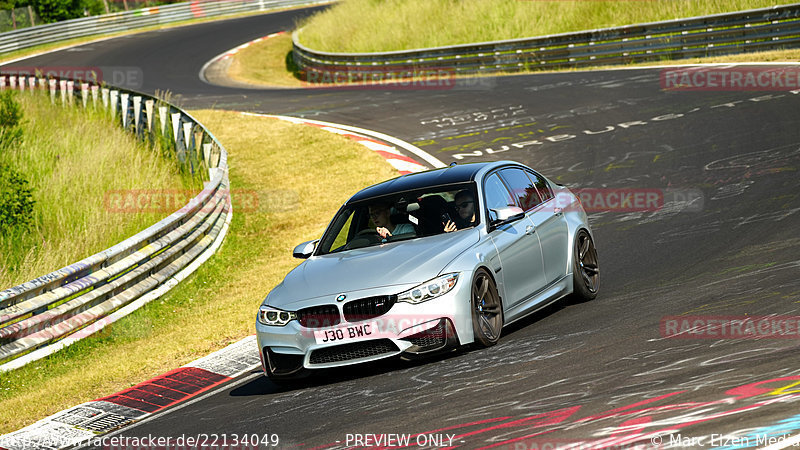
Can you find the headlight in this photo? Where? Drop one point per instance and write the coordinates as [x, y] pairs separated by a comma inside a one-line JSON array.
[[430, 289], [275, 317]]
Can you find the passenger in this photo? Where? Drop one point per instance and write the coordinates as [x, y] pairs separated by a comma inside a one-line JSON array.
[[465, 206], [381, 216]]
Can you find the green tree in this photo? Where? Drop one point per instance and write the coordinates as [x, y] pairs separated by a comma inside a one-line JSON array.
[[58, 10]]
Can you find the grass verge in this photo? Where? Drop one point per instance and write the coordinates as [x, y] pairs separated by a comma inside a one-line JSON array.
[[73, 158], [268, 63], [303, 187], [374, 26]]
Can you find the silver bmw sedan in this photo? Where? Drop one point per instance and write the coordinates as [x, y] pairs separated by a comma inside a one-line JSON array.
[[427, 262]]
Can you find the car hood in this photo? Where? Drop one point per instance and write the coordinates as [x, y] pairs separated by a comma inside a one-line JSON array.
[[397, 263]]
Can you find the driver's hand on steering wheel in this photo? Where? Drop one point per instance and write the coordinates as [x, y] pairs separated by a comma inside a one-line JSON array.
[[384, 232]]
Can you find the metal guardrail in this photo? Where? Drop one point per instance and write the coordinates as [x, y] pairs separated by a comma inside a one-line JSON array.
[[744, 31], [131, 20], [43, 315]]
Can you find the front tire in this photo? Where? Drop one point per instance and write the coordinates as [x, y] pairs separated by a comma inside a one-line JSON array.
[[487, 309], [585, 269]]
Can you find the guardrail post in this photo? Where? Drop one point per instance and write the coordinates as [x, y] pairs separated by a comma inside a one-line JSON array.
[[197, 147], [71, 91], [2, 83], [52, 84], [22, 81], [125, 97], [105, 93], [162, 116], [187, 141], [62, 86], [215, 156], [207, 153], [95, 88], [13, 81], [137, 112], [148, 111], [114, 98], [85, 93], [176, 126], [176, 121]]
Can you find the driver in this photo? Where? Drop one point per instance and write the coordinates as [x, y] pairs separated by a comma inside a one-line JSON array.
[[465, 205], [381, 216]]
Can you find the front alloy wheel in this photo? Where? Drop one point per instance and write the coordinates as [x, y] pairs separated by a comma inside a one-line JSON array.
[[487, 311], [585, 273]]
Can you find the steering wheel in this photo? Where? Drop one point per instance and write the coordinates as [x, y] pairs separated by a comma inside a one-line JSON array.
[[363, 238]]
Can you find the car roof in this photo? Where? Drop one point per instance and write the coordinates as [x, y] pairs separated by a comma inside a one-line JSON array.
[[453, 174]]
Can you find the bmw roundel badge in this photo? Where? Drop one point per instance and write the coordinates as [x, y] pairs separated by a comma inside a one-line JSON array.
[[340, 297]]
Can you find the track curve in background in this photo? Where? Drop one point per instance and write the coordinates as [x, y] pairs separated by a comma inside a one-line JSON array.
[[599, 372]]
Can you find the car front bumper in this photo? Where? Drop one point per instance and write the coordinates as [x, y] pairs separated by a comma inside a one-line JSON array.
[[409, 330]]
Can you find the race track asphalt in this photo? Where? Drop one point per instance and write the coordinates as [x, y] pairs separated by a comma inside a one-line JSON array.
[[600, 372]]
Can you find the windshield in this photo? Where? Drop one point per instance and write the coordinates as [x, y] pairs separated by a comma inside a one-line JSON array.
[[401, 216]]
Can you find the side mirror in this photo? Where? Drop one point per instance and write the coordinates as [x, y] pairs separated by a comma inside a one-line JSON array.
[[304, 250], [506, 214]]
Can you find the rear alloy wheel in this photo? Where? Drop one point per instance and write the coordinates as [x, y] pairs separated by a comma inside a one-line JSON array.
[[487, 310], [585, 272]]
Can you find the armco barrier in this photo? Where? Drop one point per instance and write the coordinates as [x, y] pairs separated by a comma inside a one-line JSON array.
[[131, 20], [43, 315], [754, 30]]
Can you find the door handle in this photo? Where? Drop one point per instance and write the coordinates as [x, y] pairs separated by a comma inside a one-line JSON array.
[[529, 230], [558, 211]]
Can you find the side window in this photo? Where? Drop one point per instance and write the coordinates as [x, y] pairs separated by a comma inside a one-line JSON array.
[[521, 188], [542, 186], [497, 196]]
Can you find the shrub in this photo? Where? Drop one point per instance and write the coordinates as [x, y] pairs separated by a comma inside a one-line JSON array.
[[10, 120], [16, 200], [16, 197]]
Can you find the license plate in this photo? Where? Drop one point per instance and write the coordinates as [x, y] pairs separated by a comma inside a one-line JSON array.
[[346, 333]]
